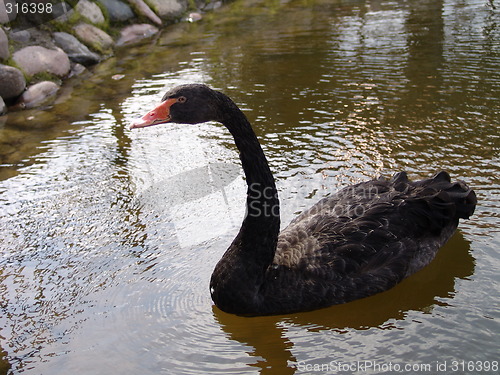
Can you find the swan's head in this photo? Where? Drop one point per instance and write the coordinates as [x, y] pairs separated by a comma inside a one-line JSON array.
[[185, 104]]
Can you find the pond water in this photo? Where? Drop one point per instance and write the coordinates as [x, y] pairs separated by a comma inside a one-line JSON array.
[[109, 236]]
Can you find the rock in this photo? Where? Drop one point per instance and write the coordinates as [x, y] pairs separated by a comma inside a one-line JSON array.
[[194, 17], [75, 50], [90, 11], [62, 12], [4, 45], [4, 17], [77, 70], [144, 10], [3, 108], [37, 59], [213, 5], [21, 36], [37, 94], [168, 9], [13, 82], [118, 11], [93, 37], [135, 33]]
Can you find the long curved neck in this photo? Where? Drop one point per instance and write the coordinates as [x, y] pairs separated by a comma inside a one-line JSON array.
[[240, 274], [260, 228]]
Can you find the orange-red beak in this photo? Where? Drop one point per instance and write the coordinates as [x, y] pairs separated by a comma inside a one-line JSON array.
[[159, 115]]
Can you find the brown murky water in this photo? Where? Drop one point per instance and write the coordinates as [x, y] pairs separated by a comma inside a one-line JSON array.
[[109, 236]]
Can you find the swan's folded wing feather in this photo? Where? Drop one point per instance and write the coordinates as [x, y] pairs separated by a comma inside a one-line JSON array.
[[374, 225]]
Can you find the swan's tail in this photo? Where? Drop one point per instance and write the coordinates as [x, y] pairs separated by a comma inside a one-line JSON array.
[[463, 197], [447, 199]]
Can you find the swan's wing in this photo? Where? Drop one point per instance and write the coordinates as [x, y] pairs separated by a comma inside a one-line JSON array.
[[381, 226]]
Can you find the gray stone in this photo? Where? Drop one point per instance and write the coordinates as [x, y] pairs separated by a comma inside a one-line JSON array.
[[3, 107], [4, 17], [168, 9], [118, 11], [13, 82], [93, 36], [90, 11], [4, 45], [37, 59], [144, 10], [64, 10], [37, 94], [75, 50], [134, 33], [21, 36], [213, 5], [77, 70]]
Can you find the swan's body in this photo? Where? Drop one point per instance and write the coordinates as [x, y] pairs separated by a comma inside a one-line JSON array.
[[358, 242]]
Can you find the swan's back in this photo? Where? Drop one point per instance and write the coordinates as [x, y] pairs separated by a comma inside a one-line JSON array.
[[364, 239]]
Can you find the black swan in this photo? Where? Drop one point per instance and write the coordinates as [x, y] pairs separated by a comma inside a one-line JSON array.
[[362, 240]]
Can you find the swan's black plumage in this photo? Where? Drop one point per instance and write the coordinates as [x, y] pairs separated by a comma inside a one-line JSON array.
[[358, 242]]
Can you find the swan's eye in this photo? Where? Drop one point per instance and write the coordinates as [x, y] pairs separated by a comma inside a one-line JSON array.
[[181, 99]]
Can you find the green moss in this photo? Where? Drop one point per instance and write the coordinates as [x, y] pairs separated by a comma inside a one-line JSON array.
[[10, 61], [74, 19], [44, 76], [96, 47], [152, 6], [104, 12], [192, 5], [66, 26]]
